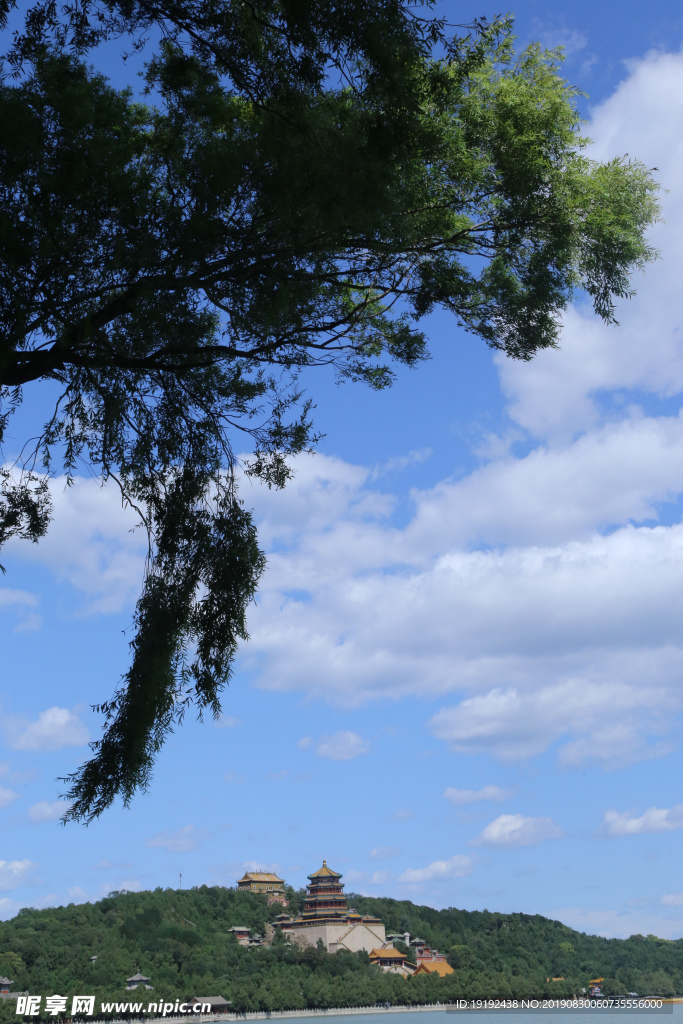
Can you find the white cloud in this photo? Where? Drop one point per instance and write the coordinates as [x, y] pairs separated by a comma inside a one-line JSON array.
[[654, 819], [672, 899], [9, 598], [234, 777], [130, 885], [402, 815], [384, 852], [93, 544], [24, 603], [8, 908], [472, 796], [55, 728], [7, 796], [510, 830], [77, 894], [619, 717], [402, 462], [565, 491], [614, 924], [578, 628], [15, 873], [228, 722], [47, 810], [305, 743], [457, 867], [342, 746], [183, 839]]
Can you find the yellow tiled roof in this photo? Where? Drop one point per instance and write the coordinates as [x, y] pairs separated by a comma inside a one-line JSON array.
[[324, 871], [260, 876], [439, 967], [388, 953]]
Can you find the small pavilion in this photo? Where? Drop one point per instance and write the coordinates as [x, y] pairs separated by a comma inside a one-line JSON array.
[[136, 981]]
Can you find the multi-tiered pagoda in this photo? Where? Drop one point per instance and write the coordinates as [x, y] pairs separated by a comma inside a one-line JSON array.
[[325, 897], [326, 916]]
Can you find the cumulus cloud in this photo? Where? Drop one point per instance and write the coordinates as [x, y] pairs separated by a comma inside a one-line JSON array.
[[342, 746], [577, 629], [510, 830], [7, 796], [77, 894], [15, 873], [458, 797], [457, 867], [620, 717], [47, 810], [183, 839], [384, 852], [672, 899], [614, 924], [654, 819], [55, 728], [92, 543], [130, 885], [24, 603], [9, 597]]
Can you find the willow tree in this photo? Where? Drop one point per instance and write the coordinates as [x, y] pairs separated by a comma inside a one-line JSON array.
[[300, 184]]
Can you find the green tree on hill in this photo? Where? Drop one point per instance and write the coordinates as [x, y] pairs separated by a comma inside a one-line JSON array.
[[50, 952]]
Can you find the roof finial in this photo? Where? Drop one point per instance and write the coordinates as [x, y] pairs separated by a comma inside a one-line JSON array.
[[324, 863]]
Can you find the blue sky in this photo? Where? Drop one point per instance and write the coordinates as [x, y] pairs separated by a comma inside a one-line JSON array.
[[464, 680]]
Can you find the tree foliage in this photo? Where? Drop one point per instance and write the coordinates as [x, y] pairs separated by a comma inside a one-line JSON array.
[[181, 940], [300, 186]]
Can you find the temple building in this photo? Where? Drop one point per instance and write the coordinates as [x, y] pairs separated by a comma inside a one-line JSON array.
[[425, 955], [241, 934], [138, 980], [326, 916], [389, 959], [264, 882], [440, 967]]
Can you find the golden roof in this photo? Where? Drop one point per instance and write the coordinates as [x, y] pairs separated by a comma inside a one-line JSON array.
[[439, 967], [388, 953], [260, 876], [325, 872]]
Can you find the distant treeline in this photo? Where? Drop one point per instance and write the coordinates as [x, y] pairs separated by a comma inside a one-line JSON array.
[[181, 939]]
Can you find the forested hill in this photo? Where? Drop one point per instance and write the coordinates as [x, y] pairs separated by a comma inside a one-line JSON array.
[[181, 939]]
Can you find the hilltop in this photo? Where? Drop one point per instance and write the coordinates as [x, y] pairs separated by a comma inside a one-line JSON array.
[[181, 939]]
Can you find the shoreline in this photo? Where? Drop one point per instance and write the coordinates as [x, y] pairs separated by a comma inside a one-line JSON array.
[[333, 1011]]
